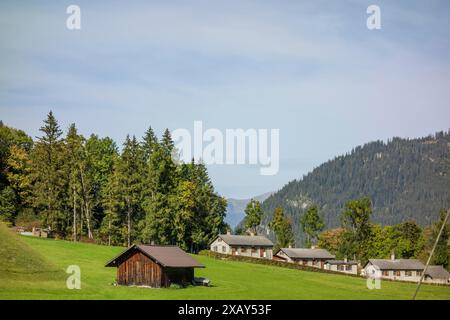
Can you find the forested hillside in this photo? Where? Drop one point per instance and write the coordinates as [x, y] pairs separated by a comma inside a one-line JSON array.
[[406, 179]]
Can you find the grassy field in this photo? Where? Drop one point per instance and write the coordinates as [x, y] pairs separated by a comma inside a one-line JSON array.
[[33, 268]]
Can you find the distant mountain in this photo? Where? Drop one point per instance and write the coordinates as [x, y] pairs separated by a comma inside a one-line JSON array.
[[407, 179], [236, 207]]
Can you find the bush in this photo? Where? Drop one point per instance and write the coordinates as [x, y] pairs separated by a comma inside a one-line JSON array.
[[175, 286]]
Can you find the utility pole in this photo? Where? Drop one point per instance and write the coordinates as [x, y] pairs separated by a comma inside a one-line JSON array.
[[431, 254]]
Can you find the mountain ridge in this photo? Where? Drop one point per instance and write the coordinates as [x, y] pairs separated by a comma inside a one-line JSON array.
[[406, 179], [236, 207]]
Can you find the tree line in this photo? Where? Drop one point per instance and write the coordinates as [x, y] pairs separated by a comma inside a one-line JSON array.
[[358, 237], [86, 188]]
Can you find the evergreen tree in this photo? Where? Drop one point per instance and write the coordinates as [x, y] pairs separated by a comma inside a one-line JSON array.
[[49, 179], [161, 180], [441, 254], [282, 226], [130, 172], [408, 239], [253, 215], [210, 209], [149, 143], [112, 229], [311, 224]]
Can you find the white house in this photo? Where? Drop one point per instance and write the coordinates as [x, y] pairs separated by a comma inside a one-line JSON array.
[[437, 274], [395, 269], [345, 266], [307, 257], [241, 245]]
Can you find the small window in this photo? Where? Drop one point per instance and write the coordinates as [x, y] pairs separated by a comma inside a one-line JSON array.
[[348, 268], [224, 249], [243, 249], [419, 273], [408, 273], [385, 273], [215, 248], [219, 240], [397, 273], [253, 250]]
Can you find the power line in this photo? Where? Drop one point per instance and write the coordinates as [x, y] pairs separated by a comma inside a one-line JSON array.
[[431, 254]]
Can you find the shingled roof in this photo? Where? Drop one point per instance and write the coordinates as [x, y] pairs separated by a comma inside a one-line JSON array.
[[339, 262], [437, 272], [301, 253], [240, 240], [167, 256], [397, 264]]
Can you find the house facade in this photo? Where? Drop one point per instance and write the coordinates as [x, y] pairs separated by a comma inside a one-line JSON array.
[[344, 266], [242, 245], [307, 257], [437, 274], [395, 269]]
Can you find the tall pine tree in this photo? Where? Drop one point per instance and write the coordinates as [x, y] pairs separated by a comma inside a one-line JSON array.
[[49, 179]]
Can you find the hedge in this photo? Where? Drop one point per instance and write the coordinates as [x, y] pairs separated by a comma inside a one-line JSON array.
[[276, 263]]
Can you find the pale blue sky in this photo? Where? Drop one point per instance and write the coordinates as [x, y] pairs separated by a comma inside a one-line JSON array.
[[313, 70]]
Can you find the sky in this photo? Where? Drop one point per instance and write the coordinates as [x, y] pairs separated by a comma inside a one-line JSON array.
[[311, 69]]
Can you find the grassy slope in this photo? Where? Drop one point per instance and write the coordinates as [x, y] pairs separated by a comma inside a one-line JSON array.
[[22, 269], [232, 280]]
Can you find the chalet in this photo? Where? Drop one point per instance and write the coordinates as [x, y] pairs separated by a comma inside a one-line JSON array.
[[154, 266], [437, 274], [345, 266], [241, 245], [307, 257], [396, 269]]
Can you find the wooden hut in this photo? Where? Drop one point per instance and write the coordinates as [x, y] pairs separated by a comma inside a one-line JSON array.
[[154, 266]]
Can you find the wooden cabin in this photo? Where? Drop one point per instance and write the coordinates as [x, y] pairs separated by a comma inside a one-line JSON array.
[[154, 266]]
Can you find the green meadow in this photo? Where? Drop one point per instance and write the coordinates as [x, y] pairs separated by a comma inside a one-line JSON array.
[[34, 268]]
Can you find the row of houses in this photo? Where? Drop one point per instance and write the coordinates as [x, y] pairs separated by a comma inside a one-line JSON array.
[[393, 269], [162, 266]]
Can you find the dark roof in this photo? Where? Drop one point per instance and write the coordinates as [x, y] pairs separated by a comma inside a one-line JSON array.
[[437, 272], [240, 240], [301, 253], [397, 264], [167, 256], [341, 262]]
